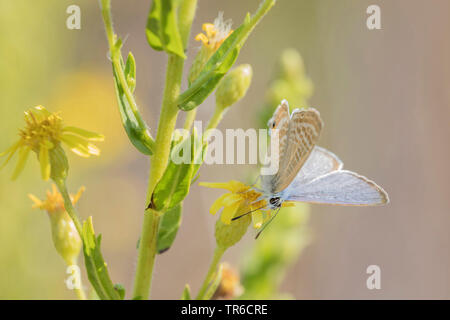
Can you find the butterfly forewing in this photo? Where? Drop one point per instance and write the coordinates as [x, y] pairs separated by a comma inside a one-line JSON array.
[[304, 130]]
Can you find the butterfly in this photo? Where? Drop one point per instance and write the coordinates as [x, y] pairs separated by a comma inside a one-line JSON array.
[[308, 173]]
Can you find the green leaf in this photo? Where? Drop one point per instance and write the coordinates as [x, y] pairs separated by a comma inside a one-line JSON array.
[[221, 61], [162, 28], [130, 72], [176, 180], [186, 293], [95, 265], [168, 228], [136, 130]]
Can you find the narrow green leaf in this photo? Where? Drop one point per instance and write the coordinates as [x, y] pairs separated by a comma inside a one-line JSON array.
[[95, 265], [222, 60], [137, 133], [162, 28], [186, 293], [168, 228], [176, 180]]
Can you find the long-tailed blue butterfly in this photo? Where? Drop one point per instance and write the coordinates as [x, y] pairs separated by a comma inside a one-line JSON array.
[[308, 173]]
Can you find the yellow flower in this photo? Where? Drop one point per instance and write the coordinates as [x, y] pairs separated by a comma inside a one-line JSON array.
[[64, 234], [43, 133], [54, 201], [215, 34], [241, 199]]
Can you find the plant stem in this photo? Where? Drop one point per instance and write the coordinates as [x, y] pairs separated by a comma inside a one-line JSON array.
[[159, 160], [61, 184], [218, 253], [80, 292], [215, 119], [190, 118]]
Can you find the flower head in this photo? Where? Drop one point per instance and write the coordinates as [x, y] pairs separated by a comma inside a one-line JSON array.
[[241, 199], [43, 133], [65, 236], [215, 33], [54, 201]]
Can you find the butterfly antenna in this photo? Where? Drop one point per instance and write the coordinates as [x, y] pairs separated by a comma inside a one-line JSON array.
[[266, 224], [235, 218]]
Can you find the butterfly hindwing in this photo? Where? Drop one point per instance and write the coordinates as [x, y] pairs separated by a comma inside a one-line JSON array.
[[339, 187]]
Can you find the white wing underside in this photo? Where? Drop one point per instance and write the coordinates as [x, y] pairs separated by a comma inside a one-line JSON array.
[[319, 163], [339, 187]]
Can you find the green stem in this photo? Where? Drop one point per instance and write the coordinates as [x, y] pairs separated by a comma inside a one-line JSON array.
[[81, 295], [61, 184], [166, 126], [218, 253], [190, 118], [215, 119]]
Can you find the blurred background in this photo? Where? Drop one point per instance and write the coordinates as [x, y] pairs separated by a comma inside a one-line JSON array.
[[383, 95]]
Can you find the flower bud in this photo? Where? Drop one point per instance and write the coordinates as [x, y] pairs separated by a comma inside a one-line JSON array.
[[228, 235], [233, 86], [64, 233], [65, 236]]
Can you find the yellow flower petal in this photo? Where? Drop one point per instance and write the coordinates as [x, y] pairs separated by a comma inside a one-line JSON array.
[[37, 202], [229, 212], [217, 204], [257, 219], [232, 186], [76, 197], [77, 145], [44, 161], [201, 37], [89, 135], [12, 150], [23, 156], [288, 204]]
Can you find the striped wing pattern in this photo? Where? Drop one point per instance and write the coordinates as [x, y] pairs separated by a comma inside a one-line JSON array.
[[304, 131]]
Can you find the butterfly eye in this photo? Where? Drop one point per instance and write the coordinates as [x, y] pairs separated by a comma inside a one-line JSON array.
[[275, 201]]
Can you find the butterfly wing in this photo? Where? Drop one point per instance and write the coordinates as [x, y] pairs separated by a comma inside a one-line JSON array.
[[304, 130], [339, 187], [280, 122], [319, 163]]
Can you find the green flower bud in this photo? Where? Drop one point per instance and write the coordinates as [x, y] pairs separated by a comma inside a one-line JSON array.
[[64, 233], [65, 236], [228, 235], [233, 86]]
